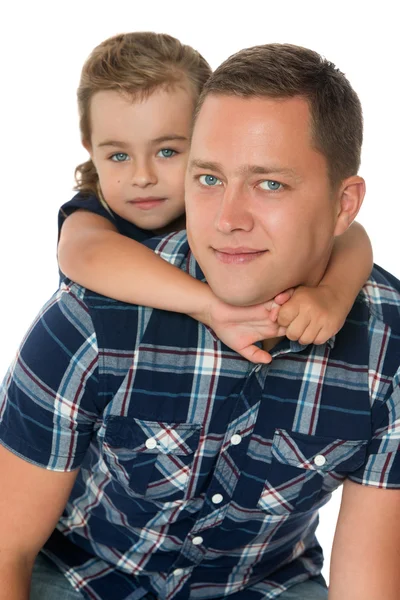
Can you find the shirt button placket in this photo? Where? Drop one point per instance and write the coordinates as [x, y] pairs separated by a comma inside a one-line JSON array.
[[319, 460], [236, 439], [197, 540], [151, 443], [217, 498]]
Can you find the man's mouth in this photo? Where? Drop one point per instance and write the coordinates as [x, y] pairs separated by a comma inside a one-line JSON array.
[[147, 203], [238, 256]]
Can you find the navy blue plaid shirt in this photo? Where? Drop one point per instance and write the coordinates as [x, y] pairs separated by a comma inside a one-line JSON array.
[[201, 475]]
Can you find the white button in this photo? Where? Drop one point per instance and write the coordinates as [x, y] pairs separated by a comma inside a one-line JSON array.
[[217, 498], [319, 460], [236, 439], [197, 540], [151, 443], [258, 368], [178, 572]]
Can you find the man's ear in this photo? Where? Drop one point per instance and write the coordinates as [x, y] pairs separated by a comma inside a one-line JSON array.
[[350, 198]]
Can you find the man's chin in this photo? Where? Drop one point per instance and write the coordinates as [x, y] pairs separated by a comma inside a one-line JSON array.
[[238, 297], [240, 289]]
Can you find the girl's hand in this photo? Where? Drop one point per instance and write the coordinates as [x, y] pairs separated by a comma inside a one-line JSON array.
[[313, 314], [240, 327]]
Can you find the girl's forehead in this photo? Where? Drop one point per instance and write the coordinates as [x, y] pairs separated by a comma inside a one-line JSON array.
[[164, 114]]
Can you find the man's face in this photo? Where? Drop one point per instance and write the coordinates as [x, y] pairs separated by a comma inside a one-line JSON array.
[[261, 213]]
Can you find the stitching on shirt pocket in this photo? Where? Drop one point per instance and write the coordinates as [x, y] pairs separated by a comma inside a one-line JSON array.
[[301, 469], [152, 459]]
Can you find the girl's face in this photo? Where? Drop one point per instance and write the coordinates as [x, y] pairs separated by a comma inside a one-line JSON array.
[[140, 149]]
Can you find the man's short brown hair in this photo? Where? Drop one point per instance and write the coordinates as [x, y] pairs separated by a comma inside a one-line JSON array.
[[285, 71]]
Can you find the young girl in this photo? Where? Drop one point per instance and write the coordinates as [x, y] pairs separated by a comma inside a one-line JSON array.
[[136, 99]]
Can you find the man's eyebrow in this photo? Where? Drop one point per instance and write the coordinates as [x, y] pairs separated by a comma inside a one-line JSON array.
[[243, 170], [205, 165], [266, 170]]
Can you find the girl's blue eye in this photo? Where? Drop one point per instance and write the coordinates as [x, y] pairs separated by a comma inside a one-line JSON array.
[[119, 157], [270, 185], [209, 180], [166, 153]]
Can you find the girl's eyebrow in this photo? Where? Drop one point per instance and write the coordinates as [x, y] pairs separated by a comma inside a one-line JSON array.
[[170, 137], [113, 143]]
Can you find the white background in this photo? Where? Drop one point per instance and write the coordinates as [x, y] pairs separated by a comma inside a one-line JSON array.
[[43, 46]]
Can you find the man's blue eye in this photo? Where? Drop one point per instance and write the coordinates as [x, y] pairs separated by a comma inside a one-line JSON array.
[[209, 180], [270, 185], [166, 153], [119, 157]]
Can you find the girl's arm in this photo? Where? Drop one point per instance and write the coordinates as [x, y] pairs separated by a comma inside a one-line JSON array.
[[92, 253], [313, 315]]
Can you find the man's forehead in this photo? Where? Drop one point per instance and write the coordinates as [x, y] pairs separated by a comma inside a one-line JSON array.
[[214, 104], [252, 135], [246, 111]]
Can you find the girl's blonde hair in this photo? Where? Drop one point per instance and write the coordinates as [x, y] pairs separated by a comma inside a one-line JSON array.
[[136, 64]]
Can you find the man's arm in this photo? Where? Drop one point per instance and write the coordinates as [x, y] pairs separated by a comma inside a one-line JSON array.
[[365, 562], [49, 403], [31, 501]]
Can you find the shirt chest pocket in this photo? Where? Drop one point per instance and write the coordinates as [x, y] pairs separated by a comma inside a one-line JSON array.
[[304, 469], [151, 459]]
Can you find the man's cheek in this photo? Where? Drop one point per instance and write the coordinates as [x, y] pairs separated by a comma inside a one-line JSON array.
[[196, 218]]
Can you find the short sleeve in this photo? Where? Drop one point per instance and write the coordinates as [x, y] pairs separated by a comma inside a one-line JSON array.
[[382, 466], [92, 204], [49, 399]]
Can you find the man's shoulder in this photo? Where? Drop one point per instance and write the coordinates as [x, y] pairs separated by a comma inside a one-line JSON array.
[[121, 326], [381, 294], [69, 310], [82, 301], [370, 337], [174, 248]]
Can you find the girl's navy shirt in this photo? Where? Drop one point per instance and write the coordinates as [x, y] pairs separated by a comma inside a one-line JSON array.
[[92, 204]]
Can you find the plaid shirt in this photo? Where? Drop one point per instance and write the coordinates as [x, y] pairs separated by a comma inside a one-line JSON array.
[[201, 474]]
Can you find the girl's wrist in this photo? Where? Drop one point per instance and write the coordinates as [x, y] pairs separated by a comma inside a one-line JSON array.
[[201, 309], [339, 295]]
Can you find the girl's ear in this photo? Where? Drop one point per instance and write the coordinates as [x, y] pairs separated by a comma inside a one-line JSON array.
[[351, 195], [87, 146]]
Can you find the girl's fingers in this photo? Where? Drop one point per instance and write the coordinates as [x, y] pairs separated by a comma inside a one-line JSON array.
[[284, 296], [297, 327]]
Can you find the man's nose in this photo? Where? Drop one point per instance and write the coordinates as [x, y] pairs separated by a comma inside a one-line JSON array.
[[143, 174], [234, 212]]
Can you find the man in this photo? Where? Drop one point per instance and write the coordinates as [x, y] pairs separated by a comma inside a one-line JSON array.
[[188, 472]]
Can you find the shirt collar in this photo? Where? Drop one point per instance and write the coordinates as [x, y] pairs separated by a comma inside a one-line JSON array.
[[286, 346]]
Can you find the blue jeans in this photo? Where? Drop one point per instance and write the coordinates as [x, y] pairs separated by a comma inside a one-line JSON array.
[[48, 583], [309, 590]]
